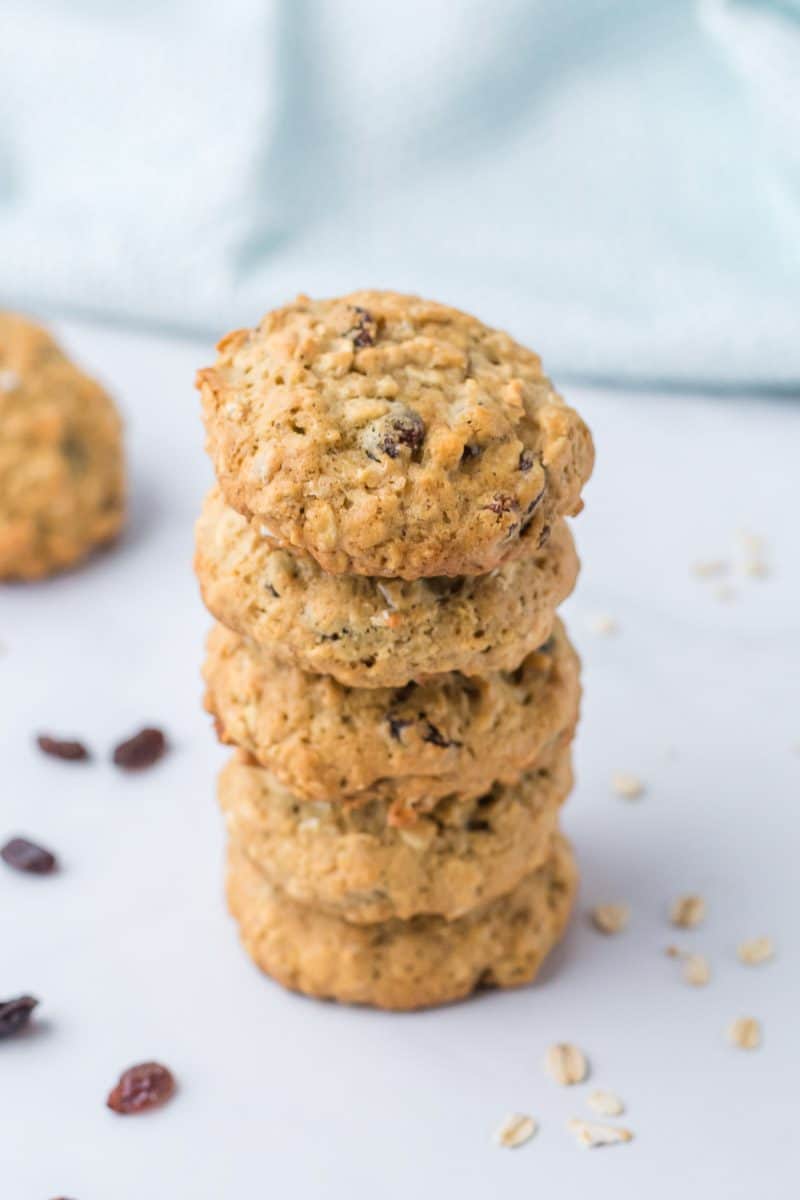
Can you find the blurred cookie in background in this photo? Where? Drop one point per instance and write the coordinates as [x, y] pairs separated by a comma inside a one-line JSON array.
[[62, 473]]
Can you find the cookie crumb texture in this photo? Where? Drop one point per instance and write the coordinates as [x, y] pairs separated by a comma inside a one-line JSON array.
[[403, 964], [411, 746], [387, 435], [352, 863], [373, 632], [62, 487]]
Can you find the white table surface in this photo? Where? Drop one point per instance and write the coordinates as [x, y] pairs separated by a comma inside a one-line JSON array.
[[133, 957]]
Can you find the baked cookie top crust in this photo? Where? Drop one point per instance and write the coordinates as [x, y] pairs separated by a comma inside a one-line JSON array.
[[389, 435]]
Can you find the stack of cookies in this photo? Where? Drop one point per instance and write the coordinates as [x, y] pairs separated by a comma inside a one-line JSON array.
[[384, 553]]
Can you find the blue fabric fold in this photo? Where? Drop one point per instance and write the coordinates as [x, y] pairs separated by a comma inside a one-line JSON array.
[[615, 182]]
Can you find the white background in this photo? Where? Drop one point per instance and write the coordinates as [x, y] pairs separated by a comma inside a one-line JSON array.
[[133, 957]]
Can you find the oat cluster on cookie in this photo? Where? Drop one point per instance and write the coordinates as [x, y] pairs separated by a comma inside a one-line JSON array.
[[384, 553]]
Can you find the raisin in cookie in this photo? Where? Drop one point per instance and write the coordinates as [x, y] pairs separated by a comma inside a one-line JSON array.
[[388, 435], [61, 465], [377, 632], [410, 746], [403, 964], [351, 863]]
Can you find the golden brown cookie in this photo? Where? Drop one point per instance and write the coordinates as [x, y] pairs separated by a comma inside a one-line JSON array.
[[62, 489], [409, 746], [377, 632], [403, 964], [351, 863], [387, 435]]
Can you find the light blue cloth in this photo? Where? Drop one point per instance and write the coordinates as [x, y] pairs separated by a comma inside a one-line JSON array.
[[616, 182]]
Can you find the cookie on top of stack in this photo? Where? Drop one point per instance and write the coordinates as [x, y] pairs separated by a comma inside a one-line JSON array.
[[384, 554]]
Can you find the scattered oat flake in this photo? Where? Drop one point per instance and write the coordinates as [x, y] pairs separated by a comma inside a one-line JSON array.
[[745, 1032], [688, 911], [611, 918], [566, 1063], [630, 787], [751, 543], [605, 1103], [725, 594], [709, 567], [756, 568], [603, 625], [515, 1131], [673, 952], [696, 970], [592, 1133], [755, 951]]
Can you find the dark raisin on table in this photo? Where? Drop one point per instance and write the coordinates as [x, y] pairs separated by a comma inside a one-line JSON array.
[[141, 1088], [15, 1014], [69, 751], [142, 750], [23, 855]]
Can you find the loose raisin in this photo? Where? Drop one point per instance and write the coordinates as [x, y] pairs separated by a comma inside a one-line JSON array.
[[140, 1088], [142, 750], [15, 1014], [23, 855], [60, 748]]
